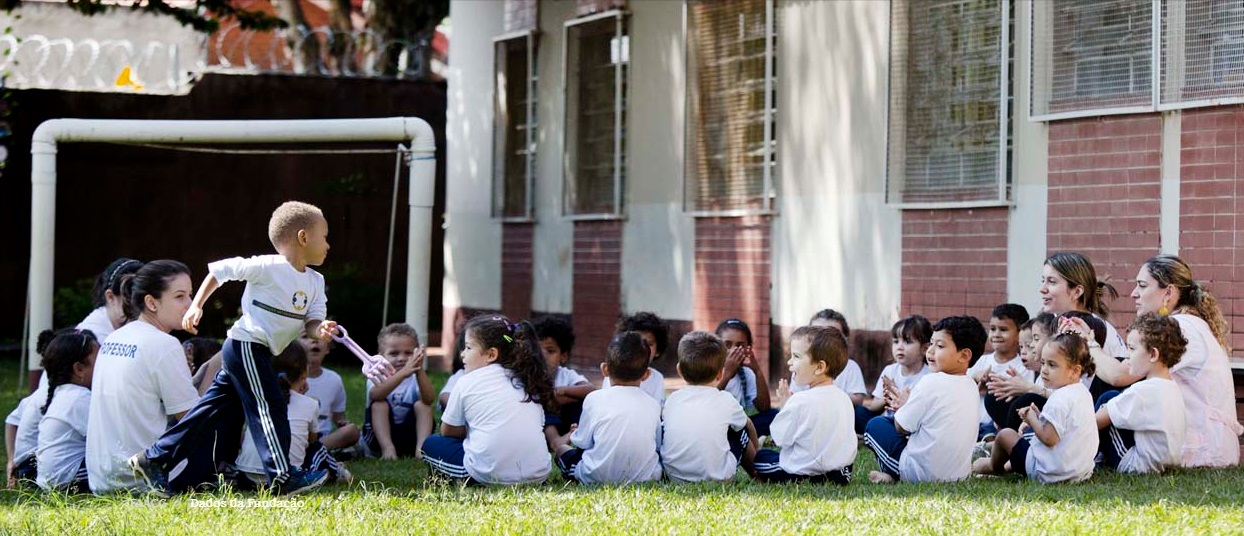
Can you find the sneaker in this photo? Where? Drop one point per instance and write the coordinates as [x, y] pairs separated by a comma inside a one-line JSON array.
[[150, 473], [344, 474], [302, 482], [983, 449]]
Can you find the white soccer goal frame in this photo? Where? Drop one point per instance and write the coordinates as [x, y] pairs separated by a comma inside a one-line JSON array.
[[396, 129]]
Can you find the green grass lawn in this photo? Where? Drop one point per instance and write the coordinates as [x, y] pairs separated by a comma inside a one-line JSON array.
[[396, 497]]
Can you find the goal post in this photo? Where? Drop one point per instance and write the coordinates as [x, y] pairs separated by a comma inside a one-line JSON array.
[[49, 134]]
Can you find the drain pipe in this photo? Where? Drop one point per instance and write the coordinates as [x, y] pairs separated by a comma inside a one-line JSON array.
[[413, 130]]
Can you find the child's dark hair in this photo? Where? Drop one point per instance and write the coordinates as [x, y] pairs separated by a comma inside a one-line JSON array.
[[201, 349], [397, 330], [1011, 311], [289, 366], [1076, 349], [827, 345], [1094, 323], [1162, 333], [701, 355], [518, 349], [68, 348], [914, 328], [729, 323], [830, 314], [110, 279], [966, 332], [650, 322], [459, 347], [150, 280], [1046, 321], [558, 329], [627, 357]]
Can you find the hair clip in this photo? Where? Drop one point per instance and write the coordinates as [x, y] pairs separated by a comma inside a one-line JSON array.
[[507, 338]]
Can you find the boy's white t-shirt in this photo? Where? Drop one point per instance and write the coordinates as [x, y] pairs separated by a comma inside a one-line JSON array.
[[894, 371], [694, 446], [401, 399], [816, 430], [742, 386], [567, 377], [851, 380], [1070, 410], [989, 362], [140, 379], [1153, 409], [620, 434], [303, 411], [449, 385], [505, 436], [330, 392], [28, 417], [62, 436], [98, 323], [654, 385], [941, 442], [278, 300]]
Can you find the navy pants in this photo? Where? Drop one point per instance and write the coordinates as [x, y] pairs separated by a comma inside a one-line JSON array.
[[862, 416], [762, 420], [405, 435], [246, 388], [1115, 442], [883, 438], [444, 455], [768, 470]]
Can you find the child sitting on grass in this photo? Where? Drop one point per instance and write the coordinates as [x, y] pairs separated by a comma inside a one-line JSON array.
[[618, 438], [909, 339], [931, 435], [325, 386], [69, 362], [1004, 324], [1143, 429], [706, 434], [392, 427], [569, 387], [814, 428], [657, 334], [1064, 429], [491, 431], [851, 380], [742, 376]]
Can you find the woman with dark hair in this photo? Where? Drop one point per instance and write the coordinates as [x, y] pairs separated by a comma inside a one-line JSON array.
[[109, 313], [1069, 283]]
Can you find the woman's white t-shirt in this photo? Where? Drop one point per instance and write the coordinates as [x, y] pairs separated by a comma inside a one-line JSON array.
[[98, 323], [505, 436], [1204, 377]]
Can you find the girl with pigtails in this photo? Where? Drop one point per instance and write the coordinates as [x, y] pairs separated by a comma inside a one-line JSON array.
[[492, 427], [69, 362]]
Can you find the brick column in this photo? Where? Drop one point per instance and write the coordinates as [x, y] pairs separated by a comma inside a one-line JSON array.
[[732, 277], [516, 269], [954, 262], [596, 299]]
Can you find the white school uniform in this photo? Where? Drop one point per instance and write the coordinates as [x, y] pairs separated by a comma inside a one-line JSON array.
[[505, 436], [140, 380], [449, 385], [694, 446], [277, 302], [654, 385], [568, 377], [1115, 346], [620, 434], [1153, 409], [303, 411], [941, 442], [851, 380], [1204, 377], [401, 399], [989, 363], [329, 391], [894, 371], [1070, 410], [28, 416], [742, 386], [816, 430], [98, 323], [62, 436]]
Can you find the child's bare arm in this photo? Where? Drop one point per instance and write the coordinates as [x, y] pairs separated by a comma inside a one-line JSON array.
[[573, 393], [874, 404], [1103, 418], [762, 401], [449, 430], [1044, 431], [190, 321], [382, 390]]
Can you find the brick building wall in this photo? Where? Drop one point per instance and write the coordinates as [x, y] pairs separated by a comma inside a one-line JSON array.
[[596, 291], [954, 262], [732, 276], [516, 269], [1104, 197]]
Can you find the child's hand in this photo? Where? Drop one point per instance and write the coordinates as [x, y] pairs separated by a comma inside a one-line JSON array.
[[734, 360], [1075, 326], [565, 440], [388, 453], [893, 403], [782, 395], [750, 361], [415, 363], [190, 320], [327, 329], [1030, 414]]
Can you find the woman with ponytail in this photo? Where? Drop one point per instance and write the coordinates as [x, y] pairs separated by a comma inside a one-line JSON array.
[[501, 399], [1069, 283], [61, 455], [1165, 285]]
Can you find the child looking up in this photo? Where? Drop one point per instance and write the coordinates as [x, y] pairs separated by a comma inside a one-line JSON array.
[[569, 387], [1004, 325], [391, 426], [657, 334], [1143, 429], [283, 297], [618, 437], [814, 428], [1064, 429], [69, 362], [928, 439], [326, 387], [742, 376], [491, 431], [706, 434], [909, 339]]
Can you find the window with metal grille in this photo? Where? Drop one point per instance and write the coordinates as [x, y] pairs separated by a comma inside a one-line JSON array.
[[949, 119], [514, 124], [597, 54], [730, 106], [1202, 52]]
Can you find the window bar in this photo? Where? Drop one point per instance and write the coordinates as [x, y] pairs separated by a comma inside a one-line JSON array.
[[617, 114], [1155, 59], [768, 159], [529, 209], [1004, 47]]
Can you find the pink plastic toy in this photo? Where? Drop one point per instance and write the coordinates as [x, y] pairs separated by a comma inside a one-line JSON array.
[[375, 368]]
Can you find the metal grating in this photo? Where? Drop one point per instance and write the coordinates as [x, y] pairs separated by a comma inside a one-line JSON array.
[[514, 124], [597, 56]]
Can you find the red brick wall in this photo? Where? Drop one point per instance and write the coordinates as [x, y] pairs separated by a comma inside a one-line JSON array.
[[516, 267], [1104, 196], [1211, 235], [732, 276], [954, 262], [597, 287]]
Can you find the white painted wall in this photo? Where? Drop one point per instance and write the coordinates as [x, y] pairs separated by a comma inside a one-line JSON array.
[[472, 237], [1026, 241], [835, 242]]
